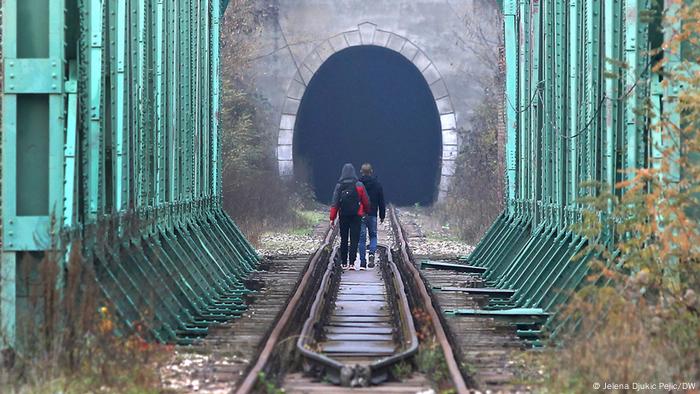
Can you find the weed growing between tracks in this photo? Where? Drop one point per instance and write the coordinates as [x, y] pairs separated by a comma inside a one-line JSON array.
[[430, 360], [266, 386], [402, 370]]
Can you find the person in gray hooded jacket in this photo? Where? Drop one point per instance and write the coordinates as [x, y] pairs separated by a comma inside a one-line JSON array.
[[350, 203]]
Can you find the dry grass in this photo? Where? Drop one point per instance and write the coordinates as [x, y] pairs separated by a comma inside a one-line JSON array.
[[254, 195], [643, 325], [71, 340], [475, 197], [620, 338], [261, 202]]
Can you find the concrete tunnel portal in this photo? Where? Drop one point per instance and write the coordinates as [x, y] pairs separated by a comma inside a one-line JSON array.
[[370, 104]]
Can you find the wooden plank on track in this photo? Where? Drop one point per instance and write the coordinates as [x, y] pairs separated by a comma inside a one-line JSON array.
[[359, 337], [375, 347], [358, 330], [367, 324], [359, 297], [360, 319]]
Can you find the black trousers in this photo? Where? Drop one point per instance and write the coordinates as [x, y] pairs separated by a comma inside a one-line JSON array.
[[349, 226]]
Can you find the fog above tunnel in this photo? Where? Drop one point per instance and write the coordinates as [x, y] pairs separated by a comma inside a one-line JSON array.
[[370, 104]]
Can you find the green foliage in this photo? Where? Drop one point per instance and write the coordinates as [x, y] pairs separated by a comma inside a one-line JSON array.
[[263, 385], [468, 369], [242, 141], [401, 370], [431, 362], [306, 221]]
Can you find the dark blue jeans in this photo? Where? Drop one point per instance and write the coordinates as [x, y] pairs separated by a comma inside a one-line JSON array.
[[349, 228], [369, 224]]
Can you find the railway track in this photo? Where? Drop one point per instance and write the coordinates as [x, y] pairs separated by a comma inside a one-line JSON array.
[[351, 328], [486, 345], [209, 363], [360, 325], [313, 328]]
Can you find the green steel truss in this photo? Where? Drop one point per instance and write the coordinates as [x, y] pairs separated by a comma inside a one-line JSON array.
[[575, 72], [110, 138]]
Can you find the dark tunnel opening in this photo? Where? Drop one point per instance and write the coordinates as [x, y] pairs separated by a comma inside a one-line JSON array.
[[370, 104]]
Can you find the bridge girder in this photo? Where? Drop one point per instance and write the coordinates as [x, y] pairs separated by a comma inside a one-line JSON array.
[[110, 132]]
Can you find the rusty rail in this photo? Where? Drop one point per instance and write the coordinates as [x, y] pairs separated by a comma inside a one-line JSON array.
[[450, 359], [401, 265], [375, 372], [251, 377]]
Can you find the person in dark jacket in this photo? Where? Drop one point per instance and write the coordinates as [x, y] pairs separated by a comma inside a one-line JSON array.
[[350, 203], [369, 223]]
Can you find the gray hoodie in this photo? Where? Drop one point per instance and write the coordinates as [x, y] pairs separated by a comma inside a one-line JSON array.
[[348, 174]]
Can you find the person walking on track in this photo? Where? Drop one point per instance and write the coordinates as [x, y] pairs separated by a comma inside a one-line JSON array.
[[369, 222], [350, 203]]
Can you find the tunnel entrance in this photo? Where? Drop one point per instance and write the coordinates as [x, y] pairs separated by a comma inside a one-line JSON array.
[[370, 104]]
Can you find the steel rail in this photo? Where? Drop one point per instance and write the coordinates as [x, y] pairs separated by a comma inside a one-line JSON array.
[[316, 310], [344, 374], [405, 316], [451, 361], [264, 357]]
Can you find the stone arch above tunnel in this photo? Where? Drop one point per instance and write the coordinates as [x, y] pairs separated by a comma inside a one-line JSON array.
[[369, 34]]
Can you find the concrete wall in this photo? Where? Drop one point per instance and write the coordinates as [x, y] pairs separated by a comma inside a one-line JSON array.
[[438, 36]]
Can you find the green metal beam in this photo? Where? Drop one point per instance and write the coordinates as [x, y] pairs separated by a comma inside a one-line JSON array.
[[125, 147], [511, 47], [571, 118]]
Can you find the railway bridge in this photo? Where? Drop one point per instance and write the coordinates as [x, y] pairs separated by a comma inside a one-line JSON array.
[[111, 153]]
